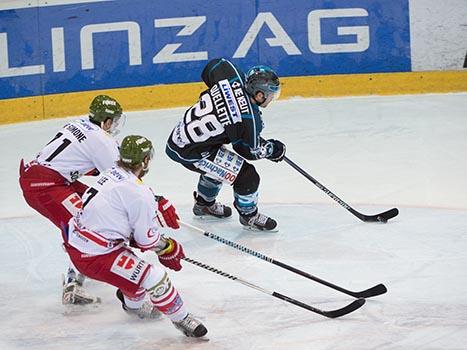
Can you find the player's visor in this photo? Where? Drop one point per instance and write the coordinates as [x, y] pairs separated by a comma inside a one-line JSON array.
[[118, 123]]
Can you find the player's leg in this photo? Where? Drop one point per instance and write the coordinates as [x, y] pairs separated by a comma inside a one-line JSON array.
[[220, 167], [49, 194], [166, 298], [122, 269], [60, 203], [246, 199], [135, 278], [73, 292], [205, 199]]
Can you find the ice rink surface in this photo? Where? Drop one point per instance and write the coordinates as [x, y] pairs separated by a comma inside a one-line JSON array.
[[375, 153]]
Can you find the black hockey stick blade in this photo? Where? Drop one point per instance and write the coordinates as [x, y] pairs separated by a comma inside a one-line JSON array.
[[371, 292], [381, 217], [356, 304], [384, 217]]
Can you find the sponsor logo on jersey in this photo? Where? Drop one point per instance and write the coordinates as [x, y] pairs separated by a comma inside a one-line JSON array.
[[162, 288], [217, 171], [72, 203], [74, 175], [230, 100], [179, 135], [86, 125], [116, 175], [151, 233], [42, 184], [241, 98], [129, 266]]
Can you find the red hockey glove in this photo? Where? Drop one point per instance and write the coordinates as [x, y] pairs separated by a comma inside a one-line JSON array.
[[167, 214], [171, 255]]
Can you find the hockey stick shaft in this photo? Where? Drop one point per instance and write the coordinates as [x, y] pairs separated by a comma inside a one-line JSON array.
[[382, 217], [371, 292], [356, 304]]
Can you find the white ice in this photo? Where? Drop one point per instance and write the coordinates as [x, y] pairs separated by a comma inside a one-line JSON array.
[[375, 153]]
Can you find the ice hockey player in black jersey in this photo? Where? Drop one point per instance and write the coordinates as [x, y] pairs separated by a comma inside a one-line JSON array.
[[228, 113]]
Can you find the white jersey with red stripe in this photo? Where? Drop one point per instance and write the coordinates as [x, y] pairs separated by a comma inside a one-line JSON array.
[[79, 148], [120, 208]]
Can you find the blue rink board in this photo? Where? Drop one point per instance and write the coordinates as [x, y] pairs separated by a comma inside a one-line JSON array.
[[215, 29]]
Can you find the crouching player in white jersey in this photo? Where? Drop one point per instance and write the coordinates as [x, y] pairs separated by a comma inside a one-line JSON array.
[[120, 211], [50, 182]]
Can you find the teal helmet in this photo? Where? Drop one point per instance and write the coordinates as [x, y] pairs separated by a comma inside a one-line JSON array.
[[263, 79]]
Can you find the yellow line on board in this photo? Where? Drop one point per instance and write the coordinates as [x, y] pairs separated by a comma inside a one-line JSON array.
[[375, 84], [176, 95]]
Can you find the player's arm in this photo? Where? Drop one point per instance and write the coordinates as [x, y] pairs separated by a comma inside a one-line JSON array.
[[252, 146], [105, 154], [142, 213], [246, 140], [219, 69], [145, 219]]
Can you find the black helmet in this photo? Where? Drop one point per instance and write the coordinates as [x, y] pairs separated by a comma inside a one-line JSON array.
[[264, 79]]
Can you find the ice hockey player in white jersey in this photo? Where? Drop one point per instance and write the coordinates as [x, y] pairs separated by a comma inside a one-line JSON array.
[[120, 213], [50, 182]]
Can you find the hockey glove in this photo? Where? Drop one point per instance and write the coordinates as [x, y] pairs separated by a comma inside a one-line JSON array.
[[275, 150], [171, 255], [166, 213]]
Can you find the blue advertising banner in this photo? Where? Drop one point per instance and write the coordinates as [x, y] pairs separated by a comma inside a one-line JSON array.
[[126, 43]]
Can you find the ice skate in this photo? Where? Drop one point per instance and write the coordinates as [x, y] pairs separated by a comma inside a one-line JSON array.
[[74, 294], [146, 311], [258, 222], [191, 327], [203, 209]]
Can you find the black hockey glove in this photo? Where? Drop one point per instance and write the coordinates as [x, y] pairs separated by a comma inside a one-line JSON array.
[[275, 150]]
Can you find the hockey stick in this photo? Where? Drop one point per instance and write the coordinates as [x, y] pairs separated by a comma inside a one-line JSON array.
[[381, 217], [356, 304], [367, 293]]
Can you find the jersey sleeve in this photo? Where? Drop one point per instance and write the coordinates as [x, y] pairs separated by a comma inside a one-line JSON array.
[[142, 218], [219, 69], [106, 155], [247, 141]]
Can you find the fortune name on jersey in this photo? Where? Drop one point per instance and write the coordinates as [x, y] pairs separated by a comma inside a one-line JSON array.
[[75, 132]]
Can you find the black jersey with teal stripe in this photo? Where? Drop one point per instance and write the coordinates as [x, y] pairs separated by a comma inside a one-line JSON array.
[[219, 69], [224, 114]]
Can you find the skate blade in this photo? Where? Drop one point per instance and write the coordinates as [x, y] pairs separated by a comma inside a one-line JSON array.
[[193, 340], [254, 229], [209, 218], [78, 309]]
